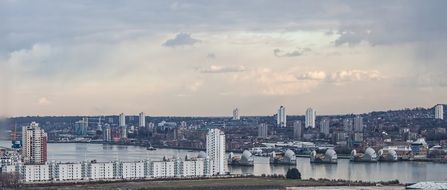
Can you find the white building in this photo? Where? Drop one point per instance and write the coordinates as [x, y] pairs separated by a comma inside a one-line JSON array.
[[297, 130], [34, 144], [324, 126], [215, 149], [162, 169], [311, 114], [142, 120], [34, 173], [358, 124], [263, 130], [122, 120], [281, 117], [65, 171], [100, 170], [439, 111], [236, 114], [132, 170], [189, 168]]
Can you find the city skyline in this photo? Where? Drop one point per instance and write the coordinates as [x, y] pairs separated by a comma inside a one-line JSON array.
[[205, 58]]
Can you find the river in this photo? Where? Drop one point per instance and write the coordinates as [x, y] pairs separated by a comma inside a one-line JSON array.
[[405, 172]]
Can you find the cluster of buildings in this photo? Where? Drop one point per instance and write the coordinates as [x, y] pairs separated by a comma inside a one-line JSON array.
[[31, 163]]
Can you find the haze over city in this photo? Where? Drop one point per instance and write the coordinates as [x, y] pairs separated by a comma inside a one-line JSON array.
[[205, 58]]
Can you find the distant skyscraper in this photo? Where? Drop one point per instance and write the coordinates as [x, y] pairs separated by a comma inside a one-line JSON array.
[[215, 149], [142, 120], [281, 117], [324, 126], [236, 114], [107, 133], [263, 130], [310, 118], [123, 126], [122, 120], [81, 127], [439, 111], [358, 124], [34, 144], [297, 130], [347, 125]]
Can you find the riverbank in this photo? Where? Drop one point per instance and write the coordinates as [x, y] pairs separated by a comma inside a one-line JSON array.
[[213, 183]]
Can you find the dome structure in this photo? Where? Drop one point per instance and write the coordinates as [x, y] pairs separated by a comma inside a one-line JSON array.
[[202, 155], [289, 156], [370, 154], [330, 154], [353, 152], [247, 158]]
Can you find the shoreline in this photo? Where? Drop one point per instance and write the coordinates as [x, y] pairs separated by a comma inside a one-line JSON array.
[[215, 183]]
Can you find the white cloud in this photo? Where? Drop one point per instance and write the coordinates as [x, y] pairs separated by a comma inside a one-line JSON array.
[[43, 101], [341, 76], [222, 69]]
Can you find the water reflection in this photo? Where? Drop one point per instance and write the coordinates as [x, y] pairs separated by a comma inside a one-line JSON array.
[[403, 171]]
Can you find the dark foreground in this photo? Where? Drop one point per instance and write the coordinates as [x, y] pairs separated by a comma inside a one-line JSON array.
[[215, 184]]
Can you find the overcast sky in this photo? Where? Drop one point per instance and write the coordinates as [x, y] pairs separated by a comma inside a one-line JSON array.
[[206, 57]]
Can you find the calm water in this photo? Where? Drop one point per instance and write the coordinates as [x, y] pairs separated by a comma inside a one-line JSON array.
[[403, 171]]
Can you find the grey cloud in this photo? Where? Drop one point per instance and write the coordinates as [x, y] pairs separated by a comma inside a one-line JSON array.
[[211, 56], [181, 39], [299, 52]]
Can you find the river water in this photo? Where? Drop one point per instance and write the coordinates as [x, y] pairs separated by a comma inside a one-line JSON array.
[[405, 172]]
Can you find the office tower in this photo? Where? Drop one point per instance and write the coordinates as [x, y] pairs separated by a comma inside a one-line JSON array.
[[281, 117], [297, 130], [81, 127], [99, 127], [347, 125], [142, 120], [34, 141], [310, 118], [123, 126], [358, 124], [324, 126], [439, 111], [122, 120], [107, 133], [236, 114], [263, 130], [215, 149]]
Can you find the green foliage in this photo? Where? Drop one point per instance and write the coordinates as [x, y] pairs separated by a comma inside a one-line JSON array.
[[293, 173]]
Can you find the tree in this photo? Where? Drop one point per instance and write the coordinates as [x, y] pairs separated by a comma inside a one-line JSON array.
[[293, 173]]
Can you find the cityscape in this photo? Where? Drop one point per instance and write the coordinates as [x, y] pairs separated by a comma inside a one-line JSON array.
[[225, 94]]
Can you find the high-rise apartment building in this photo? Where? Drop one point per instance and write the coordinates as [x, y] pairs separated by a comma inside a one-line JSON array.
[[439, 111], [215, 149], [347, 125], [34, 141], [297, 130], [358, 124], [263, 130], [236, 114], [324, 126], [142, 120], [311, 114], [123, 126], [107, 133], [281, 117], [122, 120]]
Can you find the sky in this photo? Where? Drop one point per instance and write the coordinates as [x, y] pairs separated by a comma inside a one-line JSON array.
[[205, 58]]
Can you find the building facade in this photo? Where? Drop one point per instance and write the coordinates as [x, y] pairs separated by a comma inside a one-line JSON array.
[[310, 118], [281, 117], [263, 130], [439, 111], [34, 141], [215, 149]]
